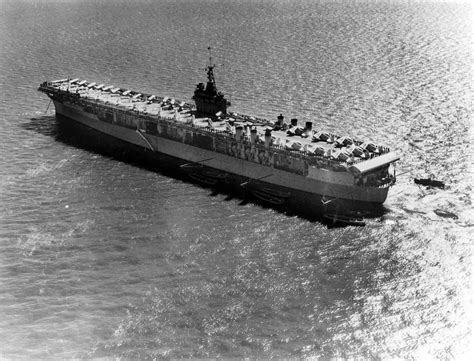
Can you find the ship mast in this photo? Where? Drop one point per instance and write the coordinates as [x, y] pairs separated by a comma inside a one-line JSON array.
[[211, 83], [208, 100]]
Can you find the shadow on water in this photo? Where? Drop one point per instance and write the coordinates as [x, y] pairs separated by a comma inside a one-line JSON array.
[[45, 125], [71, 133]]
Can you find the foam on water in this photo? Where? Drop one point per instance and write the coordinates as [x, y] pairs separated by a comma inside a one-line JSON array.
[[100, 258]]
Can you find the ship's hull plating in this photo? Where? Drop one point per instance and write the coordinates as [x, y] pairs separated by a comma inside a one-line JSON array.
[[296, 192]]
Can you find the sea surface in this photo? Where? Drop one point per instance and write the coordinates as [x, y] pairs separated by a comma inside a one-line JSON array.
[[101, 258]]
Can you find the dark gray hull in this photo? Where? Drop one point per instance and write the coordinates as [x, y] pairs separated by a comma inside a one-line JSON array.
[[140, 151]]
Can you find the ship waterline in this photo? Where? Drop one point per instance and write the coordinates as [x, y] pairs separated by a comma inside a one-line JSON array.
[[313, 169]]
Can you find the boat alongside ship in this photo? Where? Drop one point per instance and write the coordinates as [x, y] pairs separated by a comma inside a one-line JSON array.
[[279, 163]]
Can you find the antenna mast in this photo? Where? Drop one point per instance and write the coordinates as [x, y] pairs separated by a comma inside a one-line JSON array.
[[210, 70], [208, 100], [210, 56]]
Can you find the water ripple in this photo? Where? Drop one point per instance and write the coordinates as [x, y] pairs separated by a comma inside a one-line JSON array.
[[101, 258]]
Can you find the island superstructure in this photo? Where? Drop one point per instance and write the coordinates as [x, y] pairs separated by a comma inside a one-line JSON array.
[[278, 162]]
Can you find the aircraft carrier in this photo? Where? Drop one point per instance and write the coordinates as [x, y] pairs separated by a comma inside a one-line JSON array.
[[279, 162]]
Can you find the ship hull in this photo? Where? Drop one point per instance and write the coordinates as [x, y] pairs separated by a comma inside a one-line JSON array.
[[278, 189]]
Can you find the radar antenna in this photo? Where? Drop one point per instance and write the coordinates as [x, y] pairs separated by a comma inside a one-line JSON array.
[[208, 100], [210, 71]]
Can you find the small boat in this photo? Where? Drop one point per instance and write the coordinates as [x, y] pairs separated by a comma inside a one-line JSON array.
[[445, 214], [203, 179], [264, 196], [340, 219], [429, 182], [210, 173], [275, 192]]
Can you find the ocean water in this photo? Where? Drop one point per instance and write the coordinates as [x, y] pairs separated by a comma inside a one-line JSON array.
[[104, 259]]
